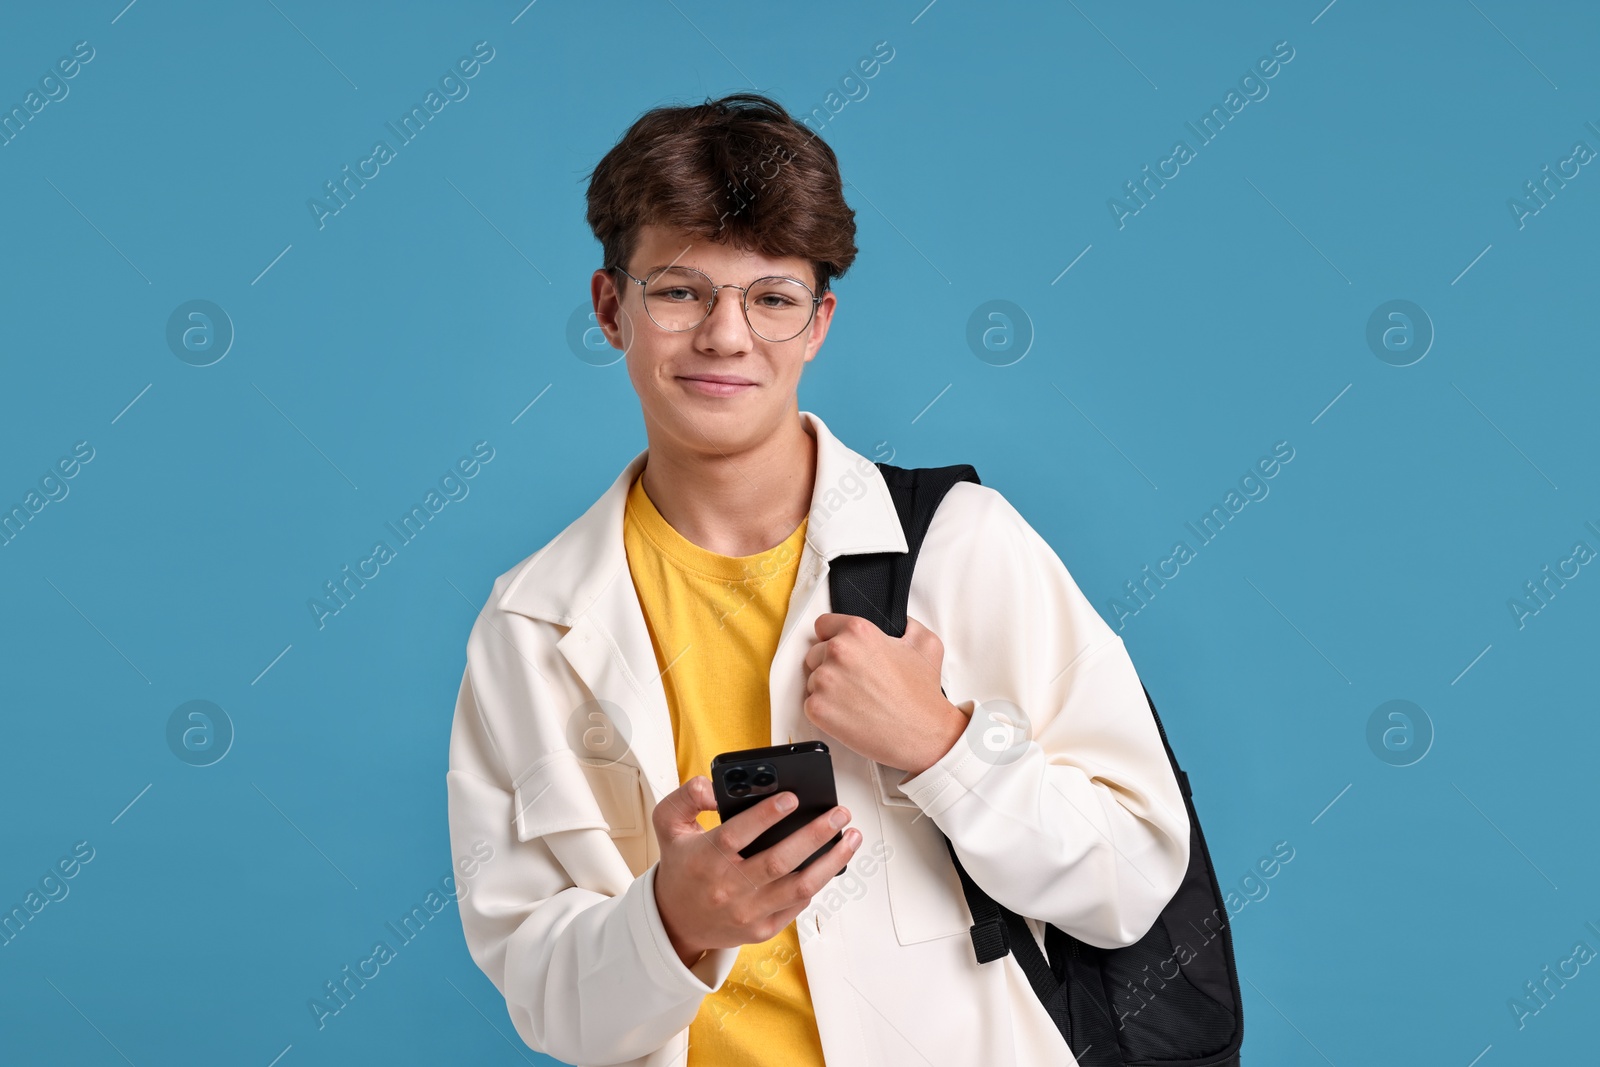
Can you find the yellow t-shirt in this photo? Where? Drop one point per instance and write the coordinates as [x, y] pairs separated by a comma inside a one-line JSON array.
[[715, 621]]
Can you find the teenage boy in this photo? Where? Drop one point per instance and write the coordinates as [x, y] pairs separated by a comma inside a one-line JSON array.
[[686, 613]]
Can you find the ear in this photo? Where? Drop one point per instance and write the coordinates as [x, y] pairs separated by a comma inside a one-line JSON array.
[[608, 312], [820, 324]]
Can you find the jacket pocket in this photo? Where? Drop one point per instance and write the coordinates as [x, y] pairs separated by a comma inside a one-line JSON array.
[[619, 790], [561, 792], [889, 792], [925, 897]]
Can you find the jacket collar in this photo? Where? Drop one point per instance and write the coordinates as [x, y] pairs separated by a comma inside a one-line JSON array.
[[851, 512], [581, 580]]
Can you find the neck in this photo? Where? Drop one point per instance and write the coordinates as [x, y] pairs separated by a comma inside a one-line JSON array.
[[735, 504]]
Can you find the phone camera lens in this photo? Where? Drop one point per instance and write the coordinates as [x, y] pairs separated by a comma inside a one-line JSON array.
[[737, 774], [764, 777]]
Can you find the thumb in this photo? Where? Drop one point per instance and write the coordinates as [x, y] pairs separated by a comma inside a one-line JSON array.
[[677, 813], [924, 641]]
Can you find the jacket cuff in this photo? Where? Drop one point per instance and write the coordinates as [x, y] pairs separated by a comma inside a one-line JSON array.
[[661, 960], [953, 774]]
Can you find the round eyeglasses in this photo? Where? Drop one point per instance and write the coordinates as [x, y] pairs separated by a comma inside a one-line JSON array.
[[680, 298]]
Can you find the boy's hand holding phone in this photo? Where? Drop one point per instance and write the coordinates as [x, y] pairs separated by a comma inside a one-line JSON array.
[[710, 897]]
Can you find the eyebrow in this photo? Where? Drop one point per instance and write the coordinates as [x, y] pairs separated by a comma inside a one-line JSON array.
[[685, 266]]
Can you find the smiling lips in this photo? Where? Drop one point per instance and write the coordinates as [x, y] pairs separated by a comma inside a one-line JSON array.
[[717, 384]]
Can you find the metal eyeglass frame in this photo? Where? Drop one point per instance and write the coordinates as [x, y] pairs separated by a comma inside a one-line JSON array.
[[744, 302]]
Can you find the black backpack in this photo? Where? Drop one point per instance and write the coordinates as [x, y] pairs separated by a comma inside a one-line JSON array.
[[1143, 1005]]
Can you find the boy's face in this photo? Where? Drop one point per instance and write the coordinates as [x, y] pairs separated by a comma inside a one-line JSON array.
[[660, 361]]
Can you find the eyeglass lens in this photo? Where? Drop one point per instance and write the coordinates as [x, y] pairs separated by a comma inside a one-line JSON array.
[[678, 298]]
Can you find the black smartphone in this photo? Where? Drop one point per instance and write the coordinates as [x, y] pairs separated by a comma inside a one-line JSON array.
[[750, 775]]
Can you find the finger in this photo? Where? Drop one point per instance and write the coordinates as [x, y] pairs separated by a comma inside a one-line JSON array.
[[798, 887], [733, 835], [832, 622], [781, 859], [815, 655]]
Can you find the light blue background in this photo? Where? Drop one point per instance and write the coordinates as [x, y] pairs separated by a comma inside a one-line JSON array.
[[1227, 315]]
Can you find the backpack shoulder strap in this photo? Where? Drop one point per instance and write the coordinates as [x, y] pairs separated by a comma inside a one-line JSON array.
[[877, 585]]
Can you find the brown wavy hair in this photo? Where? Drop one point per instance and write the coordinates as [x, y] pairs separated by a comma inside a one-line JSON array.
[[737, 170]]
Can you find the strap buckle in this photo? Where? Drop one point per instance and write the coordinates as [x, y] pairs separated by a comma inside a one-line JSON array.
[[990, 940]]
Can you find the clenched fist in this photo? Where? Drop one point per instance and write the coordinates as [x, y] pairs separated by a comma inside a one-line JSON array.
[[881, 695]]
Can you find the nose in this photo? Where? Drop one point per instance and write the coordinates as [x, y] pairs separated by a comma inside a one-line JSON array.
[[726, 328]]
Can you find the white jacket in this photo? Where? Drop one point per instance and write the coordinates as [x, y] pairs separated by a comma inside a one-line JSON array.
[[1085, 829]]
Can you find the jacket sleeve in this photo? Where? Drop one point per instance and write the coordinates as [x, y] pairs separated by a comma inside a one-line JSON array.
[[573, 942], [1076, 818]]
